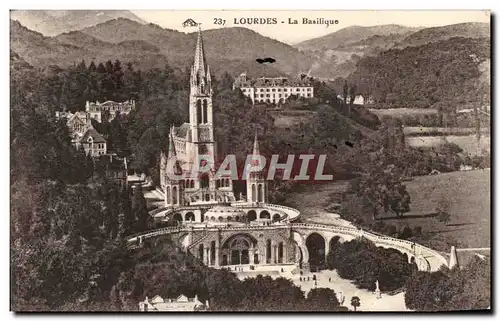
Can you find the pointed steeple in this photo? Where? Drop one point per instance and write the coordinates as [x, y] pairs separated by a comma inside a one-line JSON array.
[[172, 162], [199, 56], [453, 257], [255, 145]]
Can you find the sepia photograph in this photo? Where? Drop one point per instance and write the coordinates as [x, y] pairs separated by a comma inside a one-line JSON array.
[[250, 161]]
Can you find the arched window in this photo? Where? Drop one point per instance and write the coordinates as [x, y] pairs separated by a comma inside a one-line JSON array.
[[175, 199], [168, 195], [198, 112], [280, 252], [254, 192], [268, 251], [259, 192], [190, 216], [205, 118], [205, 181]]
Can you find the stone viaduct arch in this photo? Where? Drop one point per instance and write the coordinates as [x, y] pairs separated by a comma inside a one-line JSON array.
[[301, 243], [316, 246]]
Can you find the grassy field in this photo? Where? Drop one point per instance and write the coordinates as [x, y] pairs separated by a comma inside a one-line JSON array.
[[468, 193], [467, 143], [470, 198], [443, 131]]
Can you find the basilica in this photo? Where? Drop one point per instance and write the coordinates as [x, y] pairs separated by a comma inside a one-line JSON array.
[[192, 145]]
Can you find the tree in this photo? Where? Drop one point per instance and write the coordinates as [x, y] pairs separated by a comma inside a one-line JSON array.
[[443, 210], [355, 302], [323, 299], [406, 233], [139, 209], [352, 94], [345, 91]]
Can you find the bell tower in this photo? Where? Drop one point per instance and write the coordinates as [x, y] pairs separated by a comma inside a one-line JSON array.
[[200, 106]]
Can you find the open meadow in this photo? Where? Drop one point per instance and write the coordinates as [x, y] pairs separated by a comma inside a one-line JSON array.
[[468, 193]]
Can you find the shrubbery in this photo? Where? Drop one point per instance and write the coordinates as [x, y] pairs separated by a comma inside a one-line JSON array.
[[363, 262]]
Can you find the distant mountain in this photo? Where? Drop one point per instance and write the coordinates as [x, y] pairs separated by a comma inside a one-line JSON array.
[[233, 47], [53, 22], [232, 50], [467, 30], [337, 53], [352, 34], [73, 47]]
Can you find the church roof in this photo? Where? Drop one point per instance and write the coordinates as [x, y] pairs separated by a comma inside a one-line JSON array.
[[184, 131], [273, 82], [91, 132]]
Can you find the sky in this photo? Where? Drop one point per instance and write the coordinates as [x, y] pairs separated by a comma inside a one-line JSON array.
[[291, 34]]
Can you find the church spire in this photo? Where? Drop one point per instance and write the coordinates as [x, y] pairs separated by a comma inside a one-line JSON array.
[[199, 56], [173, 166], [171, 145], [255, 145]]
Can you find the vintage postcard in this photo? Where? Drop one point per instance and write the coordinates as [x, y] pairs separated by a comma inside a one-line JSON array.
[[258, 160]]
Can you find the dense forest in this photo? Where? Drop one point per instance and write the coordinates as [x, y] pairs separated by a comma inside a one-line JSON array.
[[458, 289], [440, 75]]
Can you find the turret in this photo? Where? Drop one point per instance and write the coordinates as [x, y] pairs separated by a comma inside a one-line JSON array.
[[256, 182], [174, 183]]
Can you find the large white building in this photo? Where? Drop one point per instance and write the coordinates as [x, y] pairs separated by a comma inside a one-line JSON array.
[[274, 90], [108, 110]]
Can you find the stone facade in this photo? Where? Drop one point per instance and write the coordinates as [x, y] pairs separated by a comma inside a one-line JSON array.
[[83, 134], [274, 90], [108, 110]]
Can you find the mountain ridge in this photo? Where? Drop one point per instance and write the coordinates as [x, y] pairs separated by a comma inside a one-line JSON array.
[[54, 22]]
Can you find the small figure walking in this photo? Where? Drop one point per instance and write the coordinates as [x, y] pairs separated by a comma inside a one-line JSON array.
[[300, 278], [330, 279]]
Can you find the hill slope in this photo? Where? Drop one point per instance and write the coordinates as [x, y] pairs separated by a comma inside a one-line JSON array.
[[352, 34], [70, 48], [439, 74], [337, 53], [231, 49], [53, 22], [467, 30]]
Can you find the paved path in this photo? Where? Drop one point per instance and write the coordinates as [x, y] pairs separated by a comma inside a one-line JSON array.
[[330, 279]]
